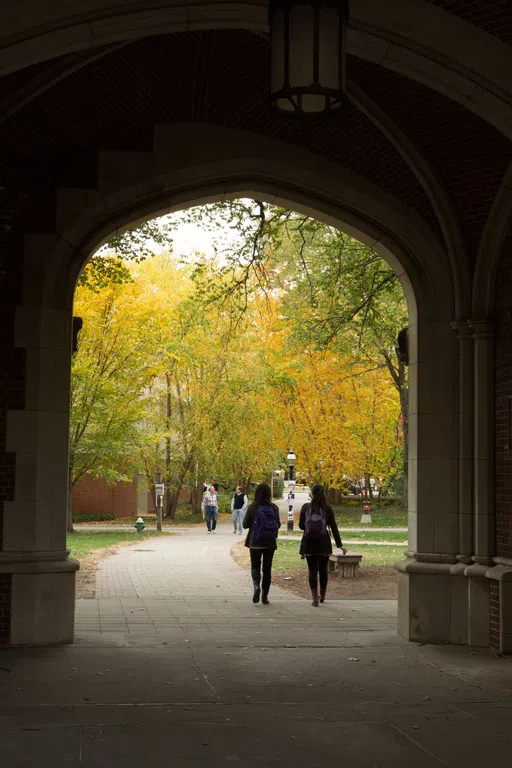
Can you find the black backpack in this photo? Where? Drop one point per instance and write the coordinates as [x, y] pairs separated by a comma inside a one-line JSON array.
[[264, 527], [316, 524]]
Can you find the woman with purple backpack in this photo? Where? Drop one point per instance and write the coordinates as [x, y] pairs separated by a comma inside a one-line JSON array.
[[262, 520], [316, 518]]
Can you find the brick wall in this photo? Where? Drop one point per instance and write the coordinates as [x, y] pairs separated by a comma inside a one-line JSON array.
[[493, 16], [5, 608], [494, 609], [94, 495], [503, 392]]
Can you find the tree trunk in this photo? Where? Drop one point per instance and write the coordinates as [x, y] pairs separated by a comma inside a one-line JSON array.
[[196, 496], [172, 503]]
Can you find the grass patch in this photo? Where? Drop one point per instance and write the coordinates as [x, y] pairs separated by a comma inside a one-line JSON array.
[[287, 556], [398, 536], [83, 543], [382, 516]]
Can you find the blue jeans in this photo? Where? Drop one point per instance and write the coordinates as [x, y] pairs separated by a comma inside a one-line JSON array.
[[211, 514], [238, 517]]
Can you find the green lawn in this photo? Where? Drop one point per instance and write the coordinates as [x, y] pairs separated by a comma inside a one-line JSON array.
[[398, 536], [83, 542], [287, 556], [393, 516]]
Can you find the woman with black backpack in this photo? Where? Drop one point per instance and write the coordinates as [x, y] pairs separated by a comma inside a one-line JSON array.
[[262, 520], [316, 518]]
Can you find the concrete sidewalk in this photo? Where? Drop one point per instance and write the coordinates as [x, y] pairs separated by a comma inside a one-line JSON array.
[[173, 664]]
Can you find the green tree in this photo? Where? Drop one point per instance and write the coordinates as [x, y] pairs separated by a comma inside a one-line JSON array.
[[109, 372]]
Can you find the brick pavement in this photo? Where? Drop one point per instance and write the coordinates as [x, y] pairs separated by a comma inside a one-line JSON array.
[[187, 588]]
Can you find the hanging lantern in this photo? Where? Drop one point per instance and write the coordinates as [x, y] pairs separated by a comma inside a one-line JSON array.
[[308, 54]]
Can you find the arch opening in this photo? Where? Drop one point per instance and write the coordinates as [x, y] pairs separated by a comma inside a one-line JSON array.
[[280, 201]]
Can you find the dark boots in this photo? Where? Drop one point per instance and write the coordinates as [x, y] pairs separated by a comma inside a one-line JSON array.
[[322, 595], [314, 595], [264, 598], [257, 591]]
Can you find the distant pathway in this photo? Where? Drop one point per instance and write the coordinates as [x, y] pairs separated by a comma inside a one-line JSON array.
[[193, 565]]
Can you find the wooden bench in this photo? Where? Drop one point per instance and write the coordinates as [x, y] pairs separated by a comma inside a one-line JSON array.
[[346, 566]]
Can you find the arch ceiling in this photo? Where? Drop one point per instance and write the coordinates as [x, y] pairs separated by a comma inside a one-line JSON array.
[[428, 41], [428, 121]]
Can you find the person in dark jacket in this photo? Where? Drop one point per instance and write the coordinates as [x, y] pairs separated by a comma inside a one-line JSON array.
[[263, 549], [316, 518]]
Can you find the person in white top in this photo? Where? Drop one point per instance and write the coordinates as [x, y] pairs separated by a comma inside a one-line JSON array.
[[239, 504]]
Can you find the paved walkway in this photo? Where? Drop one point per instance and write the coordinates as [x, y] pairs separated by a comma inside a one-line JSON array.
[[188, 587], [173, 664]]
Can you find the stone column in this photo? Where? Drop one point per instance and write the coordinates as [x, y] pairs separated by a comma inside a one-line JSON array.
[[459, 586], [424, 578], [484, 518], [34, 554]]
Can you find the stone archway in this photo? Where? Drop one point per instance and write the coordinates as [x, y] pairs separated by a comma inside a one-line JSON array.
[[136, 186]]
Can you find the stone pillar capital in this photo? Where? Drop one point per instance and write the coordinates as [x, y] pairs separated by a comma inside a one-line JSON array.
[[463, 329], [483, 329]]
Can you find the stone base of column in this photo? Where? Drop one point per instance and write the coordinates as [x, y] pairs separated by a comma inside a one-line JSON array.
[[41, 599], [424, 601]]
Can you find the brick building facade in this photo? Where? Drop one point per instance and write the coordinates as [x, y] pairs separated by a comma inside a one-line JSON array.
[[94, 496]]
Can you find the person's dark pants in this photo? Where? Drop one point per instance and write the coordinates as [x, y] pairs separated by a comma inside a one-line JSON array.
[[317, 565], [257, 555], [211, 514]]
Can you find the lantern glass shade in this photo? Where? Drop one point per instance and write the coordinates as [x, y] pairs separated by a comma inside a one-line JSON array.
[[307, 48], [291, 458]]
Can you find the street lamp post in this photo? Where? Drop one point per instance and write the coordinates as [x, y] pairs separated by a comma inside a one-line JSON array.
[[159, 493], [291, 486]]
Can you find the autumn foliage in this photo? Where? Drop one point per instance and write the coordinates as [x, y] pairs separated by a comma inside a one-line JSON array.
[[168, 377]]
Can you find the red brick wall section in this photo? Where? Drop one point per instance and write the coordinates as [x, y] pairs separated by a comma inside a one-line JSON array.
[[125, 500], [502, 393], [93, 495], [5, 607], [494, 607]]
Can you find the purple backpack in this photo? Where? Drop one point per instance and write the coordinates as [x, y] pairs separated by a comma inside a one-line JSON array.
[[265, 527], [316, 524]]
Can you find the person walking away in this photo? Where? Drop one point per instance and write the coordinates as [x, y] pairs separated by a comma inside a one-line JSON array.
[[262, 520], [210, 509], [239, 504], [316, 518]]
